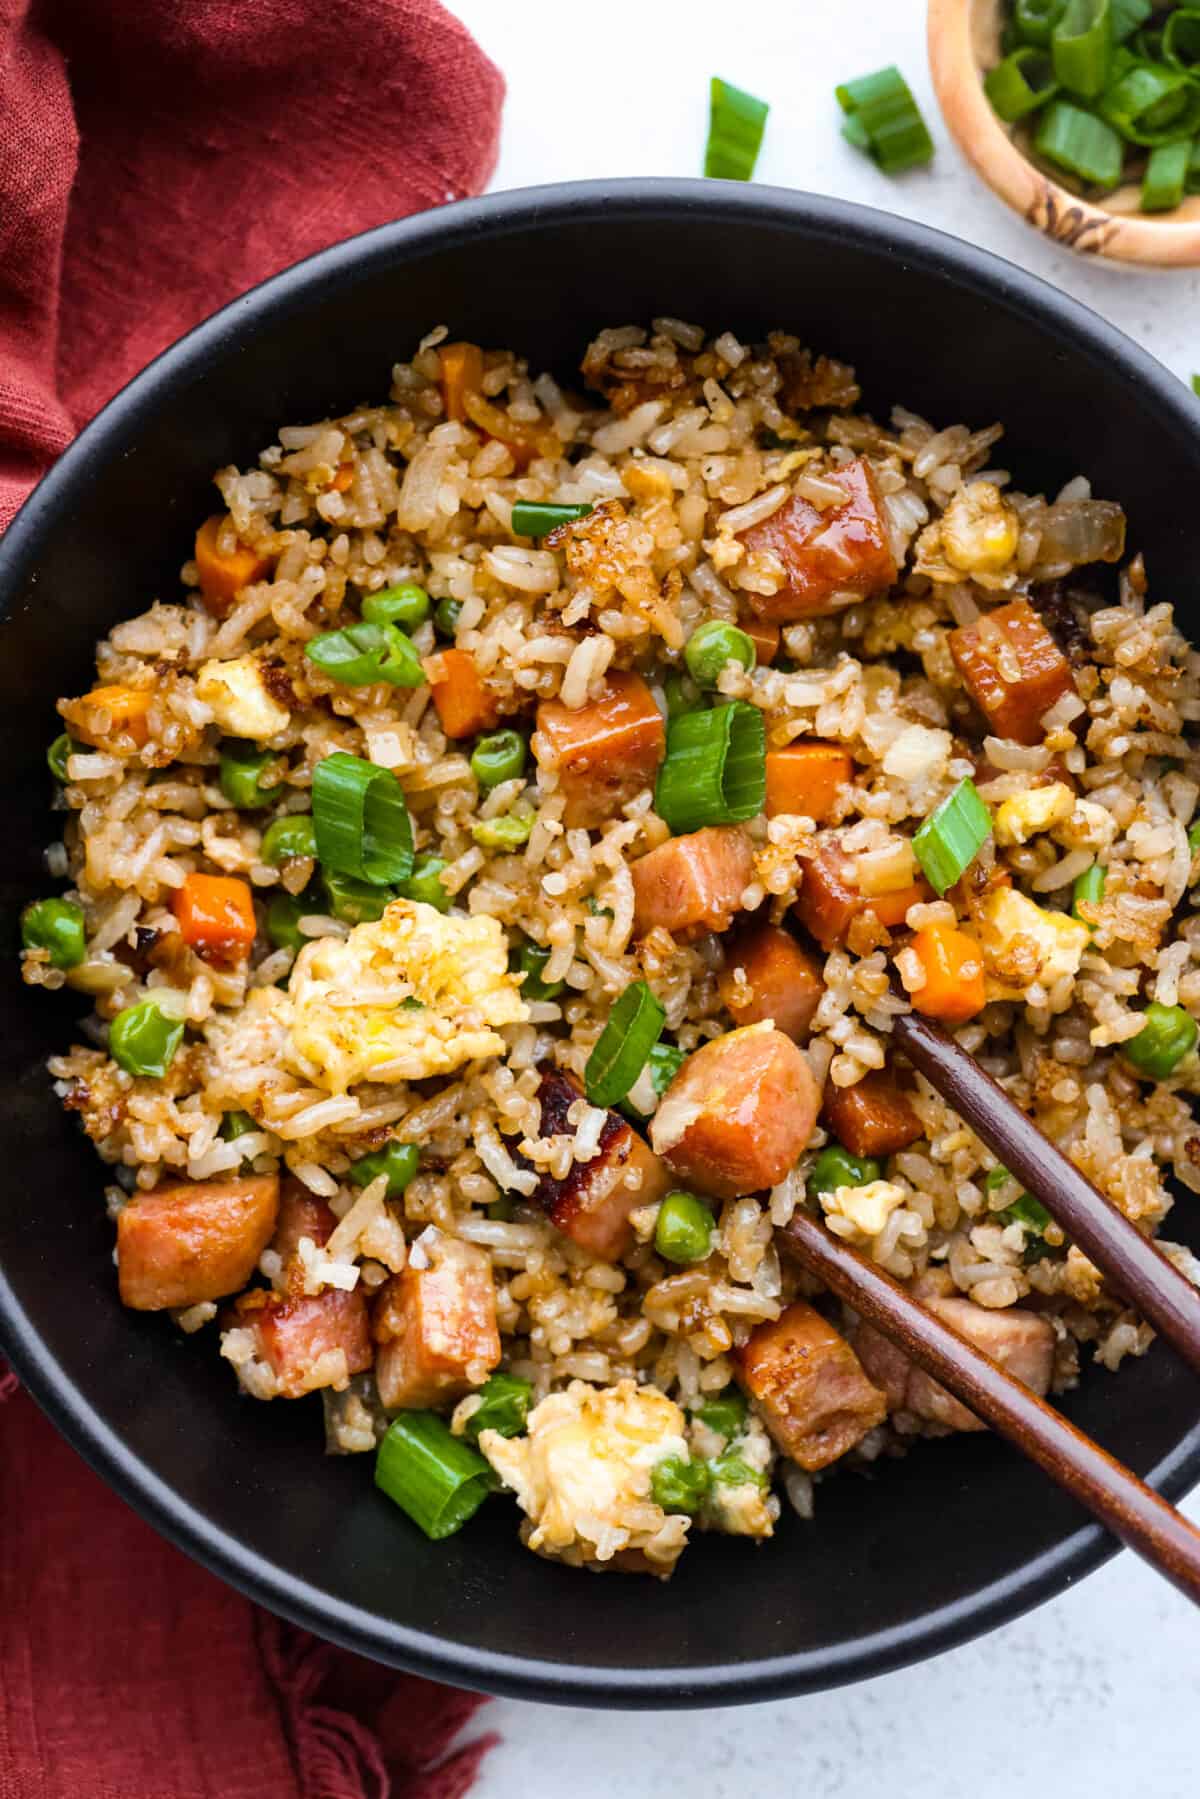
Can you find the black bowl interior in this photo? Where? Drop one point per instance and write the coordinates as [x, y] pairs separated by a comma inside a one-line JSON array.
[[961, 1534]]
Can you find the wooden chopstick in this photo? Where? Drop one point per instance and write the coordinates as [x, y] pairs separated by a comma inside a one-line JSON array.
[[1112, 1492], [1134, 1264]]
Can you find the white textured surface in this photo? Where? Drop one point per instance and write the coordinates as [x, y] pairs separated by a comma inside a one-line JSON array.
[[1095, 1695]]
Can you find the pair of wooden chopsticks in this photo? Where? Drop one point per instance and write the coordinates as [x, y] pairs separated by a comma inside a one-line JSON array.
[[1140, 1272]]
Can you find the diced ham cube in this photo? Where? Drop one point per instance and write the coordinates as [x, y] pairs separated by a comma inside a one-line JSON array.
[[809, 1386], [193, 1240], [830, 557], [308, 1340], [872, 1118], [767, 974], [435, 1328], [694, 883], [829, 902], [1012, 668], [1020, 1341], [764, 637], [606, 752], [593, 1202], [302, 1213], [738, 1114]]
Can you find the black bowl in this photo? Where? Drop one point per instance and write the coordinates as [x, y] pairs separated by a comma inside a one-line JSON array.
[[963, 1533]]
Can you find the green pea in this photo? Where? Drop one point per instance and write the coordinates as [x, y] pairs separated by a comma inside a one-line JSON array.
[[680, 1485], [711, 646], [507, 833], [445, 617], [425, 884], [407, 606], [237, 1124], [399, 1161], [288, 838], [726, 1415], [529, 960], [55, 925], [143, 1039], [685, 1227], [1193, 835], [835, 1167], [681, 694], [500, 756], [354, 902], [1168, 1035], [242, 766], [504, 1406], [729, 1470], [56, 756]]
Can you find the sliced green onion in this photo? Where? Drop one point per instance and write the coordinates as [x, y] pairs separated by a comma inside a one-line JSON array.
[[529, 960], [56, 756], [1168, 1035], [1035, 20], [1027, 1211], [1193, 836], [1165, 180], [1181, 39], [664, 1062], [996, 1178], [1151, 104], [736, 121], [1128, 16], [634, 1027], [289, 838], [681, 694], [1196, 391], [445, 617], [1088, 888], [435, 1477], [501, 1210], [237, 1124], [1080, 143], [1021, 83], [504, 1406], [508, 832], [684, 1230], [354, 902], [241, 772], [406, 606], [1149, 44], [425, 884], [680, 1485], [715, 771], [533, 518], [143, 1040], [362, 824], [726, 1415], [952, 836], [500, 756], [713, 644], [885, 121], [835, 1167], [399, 1161], [1081, 46], [283, 921], [358, 655], [56, 926]]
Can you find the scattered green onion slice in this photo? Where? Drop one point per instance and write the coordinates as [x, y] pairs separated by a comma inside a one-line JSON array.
[[56, 756], [56, 926], [619, 1055], [885, 121], [425, 884], [1027, 1211], [736, 121], [283, 921], [836, 1167], [143, 1039], [684, 1230], [1149, 43], [715, 771], [358, 655], [362, 824], [1194, 833], [241, 771], [726, 1415], [1081, 45], [1088, 887], [1021, 83], [1080, 143], [664, 1062], [681, 694], [952, 836], [1196, 391], [1181, 39], [1165, 180], [680, 1484], [995, 1178], [533, 518], [435, 1477], [713, 644], [288, 838], [237, 1124], [503, 1407], [529, 960], [1035, 20], [1129, 16], [500, 756], [1151, 104], [354, 902], [407, 606], [1168, 1035], [399, 1161], [445, 617]]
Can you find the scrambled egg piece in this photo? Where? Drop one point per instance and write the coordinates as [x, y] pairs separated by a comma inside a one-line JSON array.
[[411, 995], [861, 1211], [1023, 944], [1027, 814], [240, 703], [582, 1476], [1089, 827]]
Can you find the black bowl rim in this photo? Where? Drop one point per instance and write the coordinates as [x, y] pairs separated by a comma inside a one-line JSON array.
[[963, 266]]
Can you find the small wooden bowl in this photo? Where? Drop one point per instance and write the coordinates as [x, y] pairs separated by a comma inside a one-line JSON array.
[[964, 42]]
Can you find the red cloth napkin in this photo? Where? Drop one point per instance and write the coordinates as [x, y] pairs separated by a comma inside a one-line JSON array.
[[158, 157]]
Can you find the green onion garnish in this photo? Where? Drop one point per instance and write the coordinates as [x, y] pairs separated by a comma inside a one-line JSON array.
[[358, 655], [1196, 391], [995, 1178], [529, 959], [1128, 16], [1165, 180], [678, 1485], [1027, 1211], [619, 1055], [1088, 887], [240, 776], [1080, 143], [425, 884], [1021, 83], [1181, 39], [664, 1061], [362, 824], [1168, 1035], [288, 837], [1081, 46], [952, 836], [435, 1477], [56, 756], [532, 518], [884, 120], [398, 1161], [143, 1040], [735, 131], [1035, 20], [354, 902], [1150, 104], [1193, 837], [283, 921], [715, 771], [504, 1406], [407, 606]]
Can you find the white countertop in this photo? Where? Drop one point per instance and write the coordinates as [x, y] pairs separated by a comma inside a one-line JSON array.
[[1095, 1694]]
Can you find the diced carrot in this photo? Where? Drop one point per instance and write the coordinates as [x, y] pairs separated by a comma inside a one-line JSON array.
[[829, 902], [829, 557], [461, 367], [216, 915], [605, 753], [343, 478], [1012, 668], [122, 713], [764, 637], [872, 1118], [953, 965], [223, 577], [463, 703], [767, 974], [692, 883], [804, 777]]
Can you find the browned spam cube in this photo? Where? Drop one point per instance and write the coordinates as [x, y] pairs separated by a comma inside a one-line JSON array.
[[606, 752], [308, 1341], [767, 974], [1012, 668], [830, 557], [809, 1386], [192, 1241], [435, 1328], [592, 1204], [693, 883], [872, 1118], [1020, 1341]]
